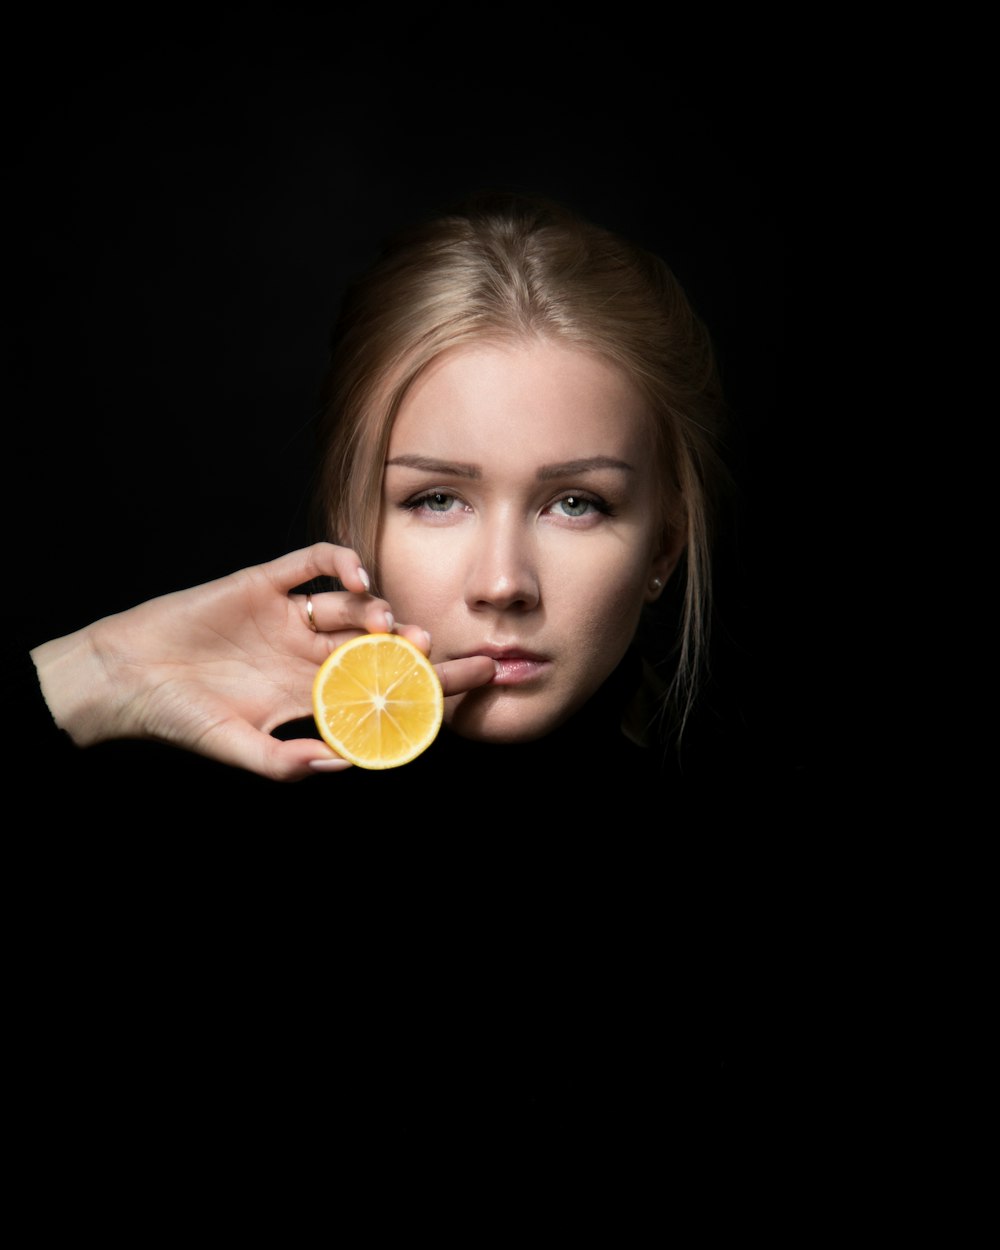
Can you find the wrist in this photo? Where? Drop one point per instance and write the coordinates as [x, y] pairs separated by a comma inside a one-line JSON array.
[[76, 686]]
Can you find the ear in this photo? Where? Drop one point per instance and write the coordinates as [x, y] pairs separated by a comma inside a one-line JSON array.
[[664, 561]]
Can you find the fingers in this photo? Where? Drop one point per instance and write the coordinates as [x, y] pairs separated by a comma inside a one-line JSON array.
[[420, 638], [457, 676], [301, 757], [319, 560], [246, 747], [335, 610]]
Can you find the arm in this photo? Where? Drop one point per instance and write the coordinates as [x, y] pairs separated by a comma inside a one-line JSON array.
[[216, 668]]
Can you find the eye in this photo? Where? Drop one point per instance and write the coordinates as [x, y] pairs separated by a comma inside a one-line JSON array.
[[433, 501], [573, 505], [579, 506]]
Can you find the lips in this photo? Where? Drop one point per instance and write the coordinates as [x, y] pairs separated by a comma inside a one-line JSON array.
[[508, 653], [515, 666]]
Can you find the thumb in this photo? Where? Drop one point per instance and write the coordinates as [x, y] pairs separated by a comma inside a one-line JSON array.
[[243, 746]]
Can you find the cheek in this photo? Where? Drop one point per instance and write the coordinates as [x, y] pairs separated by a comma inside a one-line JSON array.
[[417, 583], [600, 601], [614, 613]]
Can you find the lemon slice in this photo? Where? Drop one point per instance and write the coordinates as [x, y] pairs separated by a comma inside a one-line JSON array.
[[377, 701]]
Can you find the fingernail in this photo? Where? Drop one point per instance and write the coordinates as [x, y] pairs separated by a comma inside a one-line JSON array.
[[390, 624], [365, 580], [329, 766], [428, 637]]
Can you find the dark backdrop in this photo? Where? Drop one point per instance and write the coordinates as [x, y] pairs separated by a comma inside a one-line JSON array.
[[190, 194]]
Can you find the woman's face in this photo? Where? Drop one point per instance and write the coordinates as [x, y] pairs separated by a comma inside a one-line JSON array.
[[522, 518]]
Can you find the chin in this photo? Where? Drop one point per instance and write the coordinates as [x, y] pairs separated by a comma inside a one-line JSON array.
[[497, 716]]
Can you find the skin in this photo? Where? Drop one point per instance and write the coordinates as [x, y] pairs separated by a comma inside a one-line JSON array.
[[215, 668], [523, 520], [522, 523]]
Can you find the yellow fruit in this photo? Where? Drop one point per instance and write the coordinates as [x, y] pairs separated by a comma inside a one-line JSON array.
[[377, 701]]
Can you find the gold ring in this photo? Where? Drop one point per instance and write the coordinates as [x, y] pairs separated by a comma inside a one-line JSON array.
[[309, 613]]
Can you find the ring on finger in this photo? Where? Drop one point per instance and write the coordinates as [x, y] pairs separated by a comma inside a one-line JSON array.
[[309, 613]]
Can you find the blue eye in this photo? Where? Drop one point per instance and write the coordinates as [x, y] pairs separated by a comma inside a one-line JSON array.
[[433, 501], [573, 505], [580, 506]]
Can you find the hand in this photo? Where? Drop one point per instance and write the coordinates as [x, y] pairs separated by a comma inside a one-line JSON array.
[[215, 668]]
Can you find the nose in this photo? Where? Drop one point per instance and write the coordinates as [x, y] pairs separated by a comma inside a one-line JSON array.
[[503, 568]]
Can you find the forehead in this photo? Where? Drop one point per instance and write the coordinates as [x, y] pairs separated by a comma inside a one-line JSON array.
[[533, 400]]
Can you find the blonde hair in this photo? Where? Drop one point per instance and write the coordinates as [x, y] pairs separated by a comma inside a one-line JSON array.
[[514, 267]]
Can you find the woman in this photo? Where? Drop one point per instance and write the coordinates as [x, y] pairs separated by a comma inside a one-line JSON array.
[[519, 438], [518, 476]]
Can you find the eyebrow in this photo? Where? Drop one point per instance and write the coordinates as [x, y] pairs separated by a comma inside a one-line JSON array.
[[566, 468], [429, 464], [569, 468]]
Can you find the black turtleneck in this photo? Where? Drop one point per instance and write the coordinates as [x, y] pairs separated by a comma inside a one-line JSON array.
[[520, 940], [589, 745]]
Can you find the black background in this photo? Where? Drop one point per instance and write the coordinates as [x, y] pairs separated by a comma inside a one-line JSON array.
[[190, 191]]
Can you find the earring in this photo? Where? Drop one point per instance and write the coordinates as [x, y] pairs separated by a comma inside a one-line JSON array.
[[656, 584]]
